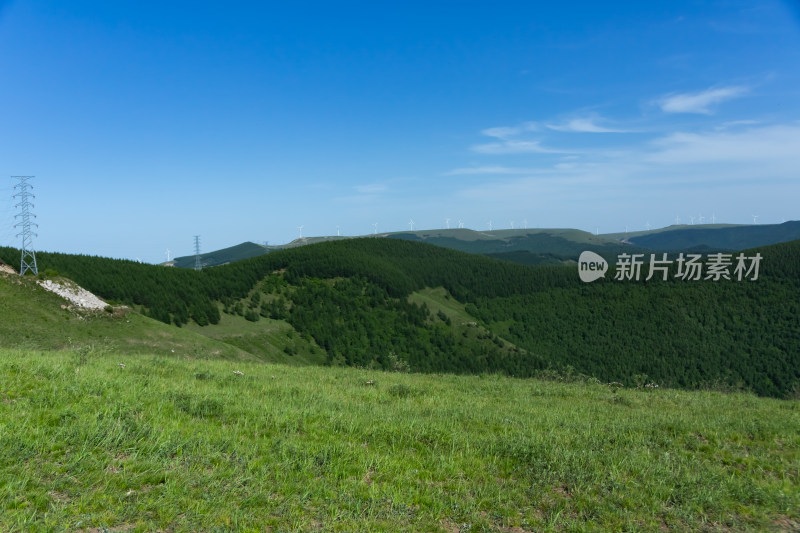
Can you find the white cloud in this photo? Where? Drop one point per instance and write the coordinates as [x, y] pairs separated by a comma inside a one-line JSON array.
[[501, 132], [768, 146], [504, 132], [699, 102], [583, 125], [489, 170], [735, 123], [515, 147], [372, 188], [707, 164], [751, 158]]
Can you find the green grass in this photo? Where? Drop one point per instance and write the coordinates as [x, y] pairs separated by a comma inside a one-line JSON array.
[[266, 339], [438, 300], [188, 445]]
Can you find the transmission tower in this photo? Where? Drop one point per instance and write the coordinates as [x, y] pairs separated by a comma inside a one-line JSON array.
[[28, 261], [197, 264]]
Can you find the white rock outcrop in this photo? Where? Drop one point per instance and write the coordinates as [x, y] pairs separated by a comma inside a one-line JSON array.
[[75, 294]]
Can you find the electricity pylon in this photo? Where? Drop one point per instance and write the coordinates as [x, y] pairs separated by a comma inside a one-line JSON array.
[[28, 260], [197, 264]]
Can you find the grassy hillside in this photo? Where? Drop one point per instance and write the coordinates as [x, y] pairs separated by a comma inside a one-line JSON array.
[[33, 318], [173, 445], [269, 340]]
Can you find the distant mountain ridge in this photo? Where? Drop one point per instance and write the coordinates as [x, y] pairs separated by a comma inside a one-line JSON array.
[[245, 250], [732, 238], [547, 245]]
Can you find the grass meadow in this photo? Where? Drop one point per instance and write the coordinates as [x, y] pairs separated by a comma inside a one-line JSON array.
[[103, 442]]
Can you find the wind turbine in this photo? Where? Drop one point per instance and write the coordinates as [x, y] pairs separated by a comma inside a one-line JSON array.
[[512, 224], [490, 225], [647, 225], [524, 223], [375, 228], [692, 219], [411, 223], [701, 218], [167, 255], [754, 218], [447, 222], [677, 220], [713, 218], [300, 229], [460, 223], [337, 232]]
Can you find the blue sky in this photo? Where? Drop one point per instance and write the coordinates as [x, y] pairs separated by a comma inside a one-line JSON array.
[[146, 123]]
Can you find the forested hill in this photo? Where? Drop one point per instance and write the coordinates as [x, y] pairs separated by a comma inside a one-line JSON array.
[[358, 301]]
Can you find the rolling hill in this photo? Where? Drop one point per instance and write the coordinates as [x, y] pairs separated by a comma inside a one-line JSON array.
[[392, 303]]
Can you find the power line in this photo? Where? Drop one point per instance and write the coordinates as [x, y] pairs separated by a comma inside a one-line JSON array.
[[7, 231], [28, 260]]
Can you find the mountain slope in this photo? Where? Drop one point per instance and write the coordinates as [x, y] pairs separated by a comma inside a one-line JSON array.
[[363, 302]]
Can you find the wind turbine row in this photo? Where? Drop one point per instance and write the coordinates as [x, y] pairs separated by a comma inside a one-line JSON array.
[[411, 225], [700, 218]]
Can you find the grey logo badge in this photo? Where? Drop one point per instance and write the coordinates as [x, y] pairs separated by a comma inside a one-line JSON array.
[[591, 266]]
